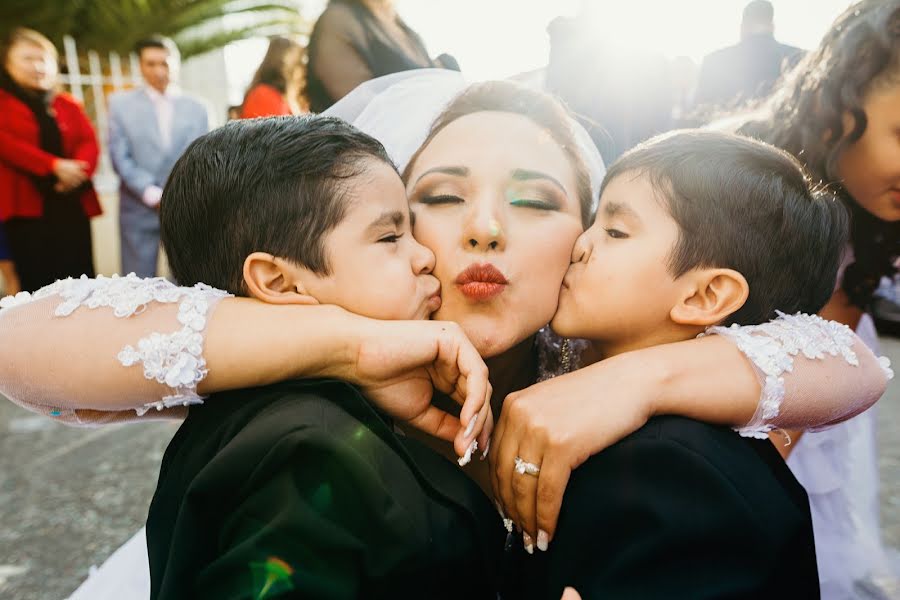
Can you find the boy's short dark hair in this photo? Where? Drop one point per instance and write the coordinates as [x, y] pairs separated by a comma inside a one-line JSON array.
[[155, 41], [745, 205], [273, 185]]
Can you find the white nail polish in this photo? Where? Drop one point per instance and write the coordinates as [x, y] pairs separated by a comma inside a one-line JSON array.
[[471, 426], [543, 540], [467, 457], [487, 448], [528, 542], [508, 523]]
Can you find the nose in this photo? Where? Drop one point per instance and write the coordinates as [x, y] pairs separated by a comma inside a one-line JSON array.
[[485, 226], [423, 259], [583, 248]]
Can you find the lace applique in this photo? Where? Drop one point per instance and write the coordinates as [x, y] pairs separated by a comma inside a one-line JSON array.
[[174, 359], [772, 346]]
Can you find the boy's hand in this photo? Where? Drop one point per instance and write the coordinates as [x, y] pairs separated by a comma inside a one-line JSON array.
[[398, 365], [557, 425]]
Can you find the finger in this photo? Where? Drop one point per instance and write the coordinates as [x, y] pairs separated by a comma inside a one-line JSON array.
[[551, 488], [439, 424], [524, 486], [484, 440], [503, 468], [478, 426], [570, 594], [496, 441]]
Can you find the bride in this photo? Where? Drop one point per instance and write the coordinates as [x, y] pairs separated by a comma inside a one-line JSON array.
[[176, 344]]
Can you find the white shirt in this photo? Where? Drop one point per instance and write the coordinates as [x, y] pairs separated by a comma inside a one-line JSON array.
[[164, 106]]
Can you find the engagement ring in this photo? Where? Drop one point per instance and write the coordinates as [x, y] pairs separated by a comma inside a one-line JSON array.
[[526, 468]]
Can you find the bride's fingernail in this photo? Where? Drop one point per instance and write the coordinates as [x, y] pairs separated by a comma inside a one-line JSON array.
[[471, 426], [528, 542], [543, 540], [487, 448], [508, 523], [467, 457]]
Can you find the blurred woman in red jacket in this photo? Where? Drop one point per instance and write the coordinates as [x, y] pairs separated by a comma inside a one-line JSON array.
[[48, 153], [277, 85]]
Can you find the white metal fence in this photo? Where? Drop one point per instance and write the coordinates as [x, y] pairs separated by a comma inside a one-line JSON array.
[[103, 77]]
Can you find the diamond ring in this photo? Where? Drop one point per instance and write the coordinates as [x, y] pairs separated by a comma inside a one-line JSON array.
[[526, 468]]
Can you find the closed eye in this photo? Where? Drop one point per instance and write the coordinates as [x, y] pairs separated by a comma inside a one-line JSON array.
[[538, 204], [391, 239], [440, 199], [616, 234]]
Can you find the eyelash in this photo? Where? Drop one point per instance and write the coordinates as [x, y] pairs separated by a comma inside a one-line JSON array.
[[441, 199], [619, 235], [391, 239], [538, 204]]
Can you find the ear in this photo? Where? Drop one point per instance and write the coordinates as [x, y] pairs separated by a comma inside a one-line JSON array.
[[275, 280], [710, 296]]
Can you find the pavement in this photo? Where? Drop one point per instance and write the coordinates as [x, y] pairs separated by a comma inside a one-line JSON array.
[[70, 496]]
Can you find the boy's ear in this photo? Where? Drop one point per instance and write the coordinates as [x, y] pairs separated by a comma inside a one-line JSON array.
[[274, 280], [710, 297]]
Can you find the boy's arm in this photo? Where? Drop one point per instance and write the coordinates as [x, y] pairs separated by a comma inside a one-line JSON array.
[[652, 518]]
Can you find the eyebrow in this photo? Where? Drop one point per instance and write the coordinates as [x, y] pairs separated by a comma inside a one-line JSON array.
[[616, 209], [455, 171], [394, 217], [527, 175]]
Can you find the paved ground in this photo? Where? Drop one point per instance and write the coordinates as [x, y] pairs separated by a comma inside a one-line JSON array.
[[69, 497]]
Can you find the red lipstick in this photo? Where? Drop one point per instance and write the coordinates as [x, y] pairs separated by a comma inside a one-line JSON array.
[[481, 282]]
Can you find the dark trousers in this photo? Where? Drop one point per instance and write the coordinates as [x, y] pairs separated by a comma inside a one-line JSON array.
[[55, 246]]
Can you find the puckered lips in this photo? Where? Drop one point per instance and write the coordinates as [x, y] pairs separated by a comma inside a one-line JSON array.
[[481, 282]]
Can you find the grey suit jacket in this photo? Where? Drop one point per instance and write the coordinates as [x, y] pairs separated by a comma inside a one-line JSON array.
[[135, 146]]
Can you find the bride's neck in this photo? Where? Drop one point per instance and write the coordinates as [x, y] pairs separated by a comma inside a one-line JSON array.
[[513, 370]]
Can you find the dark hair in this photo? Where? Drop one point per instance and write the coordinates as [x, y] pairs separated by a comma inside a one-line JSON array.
[[805, 116], [155, 41], [272, 185], [543, 109], [282, 63], [748, 206], [758, 11]]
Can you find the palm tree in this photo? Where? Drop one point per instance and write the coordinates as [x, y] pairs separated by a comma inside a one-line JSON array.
[[115, 25]]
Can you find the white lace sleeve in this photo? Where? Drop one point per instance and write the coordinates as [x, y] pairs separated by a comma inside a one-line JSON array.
[[839, 378], [169, 353]]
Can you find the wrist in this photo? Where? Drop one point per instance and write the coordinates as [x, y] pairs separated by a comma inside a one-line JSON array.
[[342, 337]]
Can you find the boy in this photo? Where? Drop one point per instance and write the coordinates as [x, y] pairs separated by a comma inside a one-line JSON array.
[[302, 489], [694, 229]]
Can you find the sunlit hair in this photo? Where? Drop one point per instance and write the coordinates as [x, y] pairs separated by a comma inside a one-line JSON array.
[[805, 116], [281, 67], [28, 36], [541, 108]]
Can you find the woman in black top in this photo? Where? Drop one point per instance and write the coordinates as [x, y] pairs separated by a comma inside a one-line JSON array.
[[357, 40]]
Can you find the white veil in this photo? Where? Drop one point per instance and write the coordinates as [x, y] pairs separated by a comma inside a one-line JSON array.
[[399, 109]]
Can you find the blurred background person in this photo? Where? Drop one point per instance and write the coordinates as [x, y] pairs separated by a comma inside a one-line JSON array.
[[622, 96], [749, 69], [277, 86], [48, 153], [149, 129], [839, 113], [7, 266], [357, 40]]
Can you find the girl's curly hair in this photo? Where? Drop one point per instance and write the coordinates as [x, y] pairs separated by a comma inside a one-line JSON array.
[[805, 116]]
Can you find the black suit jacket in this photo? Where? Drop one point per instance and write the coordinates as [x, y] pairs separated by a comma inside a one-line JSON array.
[[679, 509], [302, 490], [745, 71]]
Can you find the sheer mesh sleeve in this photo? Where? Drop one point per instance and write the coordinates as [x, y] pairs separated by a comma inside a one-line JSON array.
[[813, 372], [94, 351]]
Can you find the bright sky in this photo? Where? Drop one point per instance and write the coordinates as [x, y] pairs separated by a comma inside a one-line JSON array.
[[498, 38]]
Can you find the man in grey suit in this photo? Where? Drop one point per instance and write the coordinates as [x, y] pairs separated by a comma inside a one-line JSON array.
[[149, 129]]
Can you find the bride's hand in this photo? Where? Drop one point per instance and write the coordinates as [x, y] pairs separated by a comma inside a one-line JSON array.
[[556, 425], [399, 363]]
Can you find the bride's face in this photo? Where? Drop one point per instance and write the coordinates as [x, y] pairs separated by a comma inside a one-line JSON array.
[[495, 199]]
